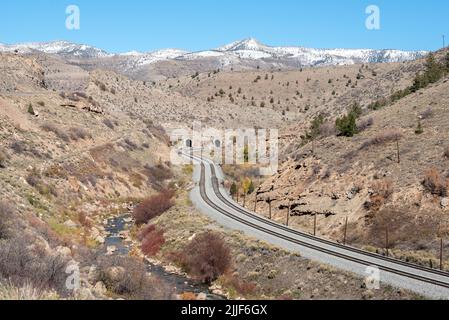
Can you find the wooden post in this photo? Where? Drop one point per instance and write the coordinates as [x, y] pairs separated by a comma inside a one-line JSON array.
[[346, 231], [386, 242], [441, 254], [288, 213], [399, 154], [255, 204], [238, 191], [244, 198], [314, 225], [269, 206]]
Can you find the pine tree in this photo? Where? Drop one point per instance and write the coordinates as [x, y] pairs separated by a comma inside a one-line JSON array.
[[347, 126], [31, 109]]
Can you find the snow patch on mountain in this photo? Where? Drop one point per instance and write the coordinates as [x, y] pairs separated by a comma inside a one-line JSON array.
[[238, 52]]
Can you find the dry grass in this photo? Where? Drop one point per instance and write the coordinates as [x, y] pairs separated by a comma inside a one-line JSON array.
[[446, 152], [26, 292], [3, 159]]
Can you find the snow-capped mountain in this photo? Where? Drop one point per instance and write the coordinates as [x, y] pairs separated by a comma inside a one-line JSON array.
[[253, 49], [62, 48], [244, 54]]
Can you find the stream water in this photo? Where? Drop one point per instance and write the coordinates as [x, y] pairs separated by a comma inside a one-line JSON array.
[[179, 284]]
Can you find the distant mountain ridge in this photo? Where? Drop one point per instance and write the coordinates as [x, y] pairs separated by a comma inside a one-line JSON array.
[[243, 54]]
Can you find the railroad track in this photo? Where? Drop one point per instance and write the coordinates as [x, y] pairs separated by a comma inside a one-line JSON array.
[[431, 282]]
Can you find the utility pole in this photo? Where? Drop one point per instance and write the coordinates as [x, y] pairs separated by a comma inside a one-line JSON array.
[[255, 204], [346, 231], [269, 206], [386, 241], [288, 212], [444, 41], [399, 154], [314, 225], [441, 254]]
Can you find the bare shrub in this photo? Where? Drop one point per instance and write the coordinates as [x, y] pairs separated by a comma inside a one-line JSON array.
[[153, 206], [206, 257], [77, 133], [158, 174], [19, 147], [22, 263], [108, 123], [80, 94], [364, 124], [435, 183], [426, 114], [84, 220], [130, 144], [127, 276], [381, 138], [50, 127], [152, 239], [35, 180]]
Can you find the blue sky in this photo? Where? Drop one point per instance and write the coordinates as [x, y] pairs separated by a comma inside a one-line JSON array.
[[145, 25]]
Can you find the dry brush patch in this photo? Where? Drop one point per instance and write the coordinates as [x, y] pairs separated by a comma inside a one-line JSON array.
[[382, 138], [153, 206], [206, 257], [435, 183], [381, 191], [152, 239], [128, 277]]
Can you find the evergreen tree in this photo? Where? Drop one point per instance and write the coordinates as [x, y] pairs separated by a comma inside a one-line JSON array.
[[31, 109], [347, 125]]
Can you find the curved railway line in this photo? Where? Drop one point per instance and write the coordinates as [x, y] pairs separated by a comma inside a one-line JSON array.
[[429, 282]]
